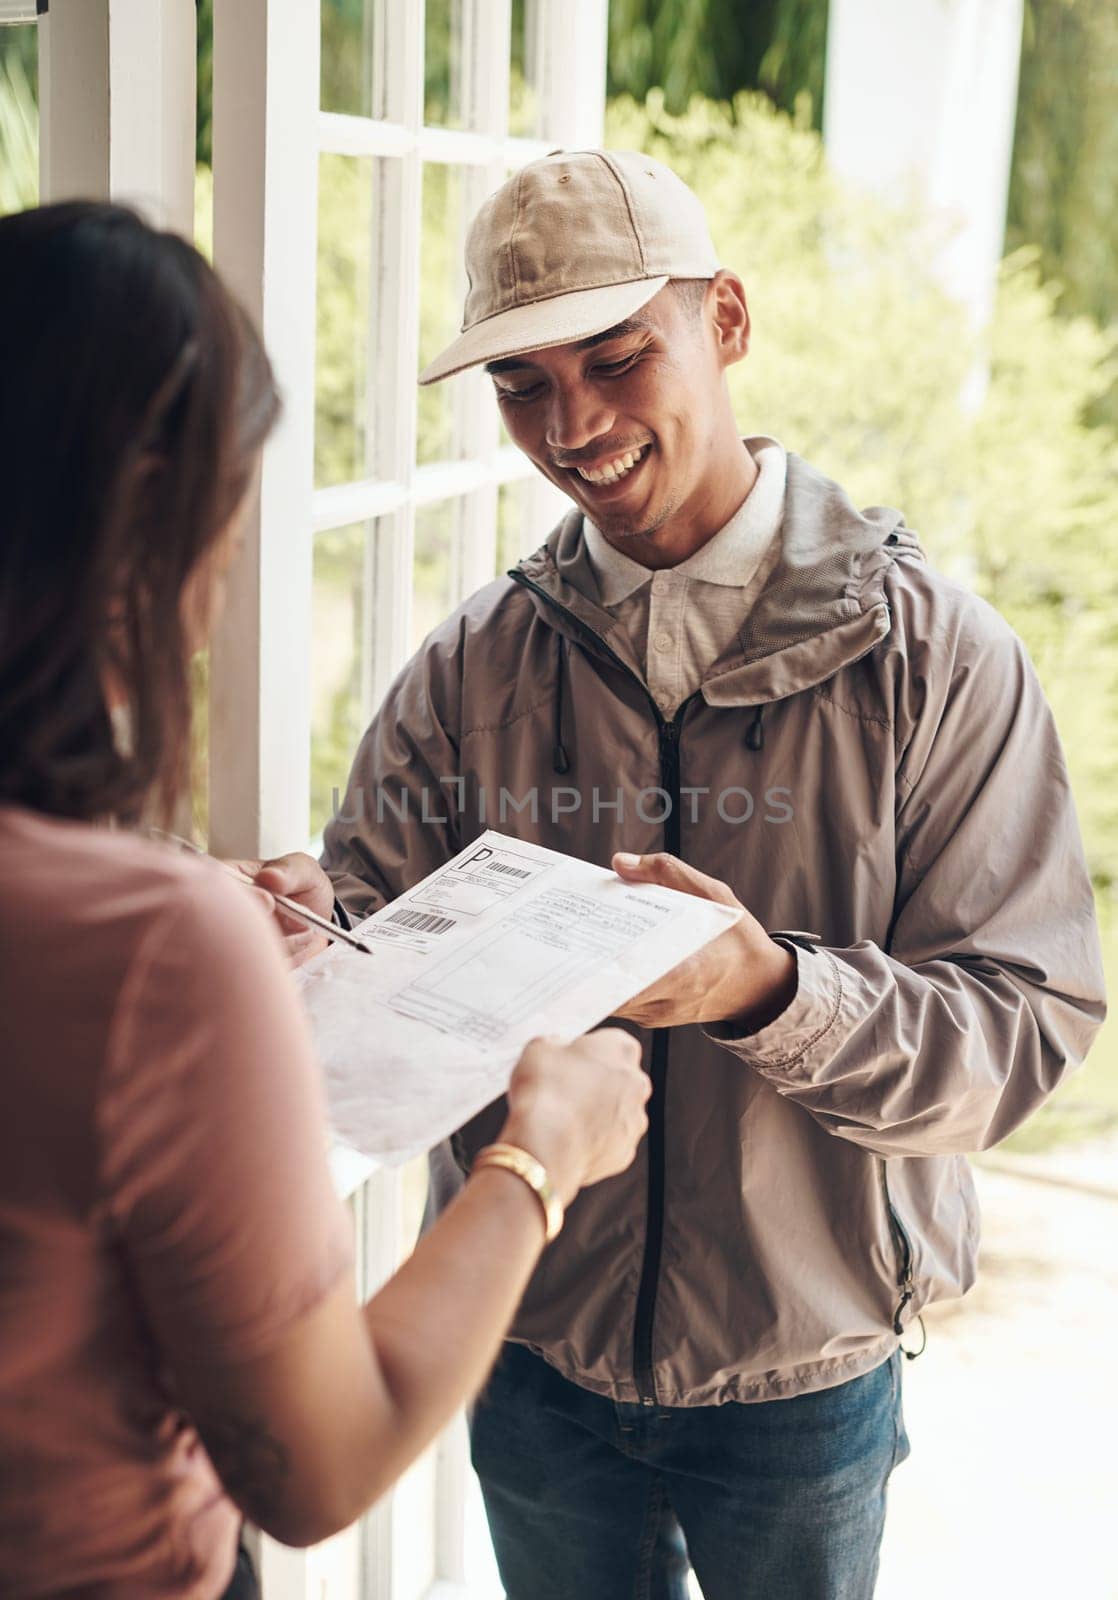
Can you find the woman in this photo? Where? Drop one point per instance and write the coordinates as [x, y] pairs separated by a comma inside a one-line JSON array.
[[175, 1284]]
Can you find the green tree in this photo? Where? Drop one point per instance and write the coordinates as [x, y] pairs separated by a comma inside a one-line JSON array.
[[716, 48], [1063, 195]]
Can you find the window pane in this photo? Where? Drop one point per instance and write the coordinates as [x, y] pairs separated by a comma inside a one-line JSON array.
[[442, 291], [437, 574], [19, 118], [342, 602], [443, 99], [524, 99], [352, 47], [515, 535], [344, 357]]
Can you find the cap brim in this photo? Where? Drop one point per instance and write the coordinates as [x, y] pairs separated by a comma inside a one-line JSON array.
[[562, 319]]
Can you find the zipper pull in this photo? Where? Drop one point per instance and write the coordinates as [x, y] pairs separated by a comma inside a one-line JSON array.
[[907, 1291]]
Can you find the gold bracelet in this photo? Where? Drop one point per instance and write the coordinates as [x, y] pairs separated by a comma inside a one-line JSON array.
[[511, 1158]]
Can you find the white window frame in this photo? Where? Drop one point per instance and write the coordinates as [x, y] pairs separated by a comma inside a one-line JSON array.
[[117, 105], [268, 135]]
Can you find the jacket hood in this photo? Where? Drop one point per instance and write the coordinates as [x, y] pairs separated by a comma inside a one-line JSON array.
[[823, 606]]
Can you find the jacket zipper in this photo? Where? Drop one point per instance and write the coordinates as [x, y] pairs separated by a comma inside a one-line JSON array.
[[645, 1316], [644, 1372], [903, 1246]]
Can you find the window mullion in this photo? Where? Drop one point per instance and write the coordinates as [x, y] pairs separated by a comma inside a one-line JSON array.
[[266, 59], [397, 252], [477, 422]]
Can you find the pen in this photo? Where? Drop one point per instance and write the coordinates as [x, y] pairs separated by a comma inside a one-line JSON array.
[[291, 907]]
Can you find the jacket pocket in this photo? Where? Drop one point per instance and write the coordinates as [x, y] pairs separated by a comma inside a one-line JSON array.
[[902, 1250]]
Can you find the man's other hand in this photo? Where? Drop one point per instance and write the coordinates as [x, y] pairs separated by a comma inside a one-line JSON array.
[[299, 877], [742, 977]]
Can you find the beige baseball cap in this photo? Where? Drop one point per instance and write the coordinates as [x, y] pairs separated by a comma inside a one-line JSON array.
[[568, 247]]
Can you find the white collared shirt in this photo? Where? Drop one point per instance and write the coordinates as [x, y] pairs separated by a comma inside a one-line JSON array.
[[681, 619]]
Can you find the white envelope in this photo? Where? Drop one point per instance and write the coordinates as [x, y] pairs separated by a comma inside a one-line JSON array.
[[506, 942]]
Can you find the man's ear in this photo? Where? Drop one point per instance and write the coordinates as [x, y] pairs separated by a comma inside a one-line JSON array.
[[728, 315]]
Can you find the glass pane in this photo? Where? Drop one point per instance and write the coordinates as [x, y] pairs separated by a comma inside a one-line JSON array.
[[515, 535], [344, 357], [19, 118], [342, 599], [441, 294], [443, 99], [352, 36], [437, 574], [524, 99]]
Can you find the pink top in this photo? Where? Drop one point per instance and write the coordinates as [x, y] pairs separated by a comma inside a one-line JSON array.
[[163, 1191]]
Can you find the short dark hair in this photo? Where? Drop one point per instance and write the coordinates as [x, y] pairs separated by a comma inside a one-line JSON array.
[[134, 398], [691, 293]]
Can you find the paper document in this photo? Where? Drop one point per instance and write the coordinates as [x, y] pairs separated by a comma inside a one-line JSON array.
[[507, 941]]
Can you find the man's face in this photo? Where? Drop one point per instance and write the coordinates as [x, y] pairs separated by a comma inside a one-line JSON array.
[[635, 424]]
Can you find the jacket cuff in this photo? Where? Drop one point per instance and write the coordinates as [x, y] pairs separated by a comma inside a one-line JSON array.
[[805, 1020]]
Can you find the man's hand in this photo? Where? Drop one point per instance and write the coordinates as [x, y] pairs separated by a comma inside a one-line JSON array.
[[742, 977], [301, 878]]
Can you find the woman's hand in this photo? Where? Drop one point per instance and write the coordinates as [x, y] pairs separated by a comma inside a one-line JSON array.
[[300, 877], [579, 1108]]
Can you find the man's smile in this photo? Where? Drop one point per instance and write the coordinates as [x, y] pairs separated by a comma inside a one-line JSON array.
[[613, 469], [611, 476]]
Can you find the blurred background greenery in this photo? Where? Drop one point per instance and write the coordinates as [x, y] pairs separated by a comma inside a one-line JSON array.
[[859, 359]]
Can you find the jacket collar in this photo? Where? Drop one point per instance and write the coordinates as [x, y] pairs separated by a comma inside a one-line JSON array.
[[822, 606]]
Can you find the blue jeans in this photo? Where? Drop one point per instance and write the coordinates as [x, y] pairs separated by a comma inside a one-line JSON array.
[[591, 1499]]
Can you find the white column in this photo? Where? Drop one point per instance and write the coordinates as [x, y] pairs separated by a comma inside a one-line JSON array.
[[117, 105], [266, 64], [573, 70], [925, 92]]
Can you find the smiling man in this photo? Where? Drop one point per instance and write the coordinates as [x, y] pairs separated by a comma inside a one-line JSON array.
[[719, 667]]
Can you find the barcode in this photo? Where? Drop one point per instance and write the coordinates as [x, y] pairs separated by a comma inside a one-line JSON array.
[[513, 872], [422, 921]]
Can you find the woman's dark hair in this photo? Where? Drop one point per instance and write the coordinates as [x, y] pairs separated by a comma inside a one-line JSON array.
[[134, 398]]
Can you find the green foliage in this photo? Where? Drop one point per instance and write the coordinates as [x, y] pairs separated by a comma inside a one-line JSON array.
[[19, 120], [338, 706], [1064, 191], [343, 438], [347, 55], [204, 211], [860, 362], [716, 48], [1044, 491], [204, 125]]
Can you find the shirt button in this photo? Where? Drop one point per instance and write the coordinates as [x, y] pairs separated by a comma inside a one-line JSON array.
[[663, 641]]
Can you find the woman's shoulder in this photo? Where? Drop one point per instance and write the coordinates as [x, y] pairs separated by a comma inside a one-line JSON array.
[[75, 897]]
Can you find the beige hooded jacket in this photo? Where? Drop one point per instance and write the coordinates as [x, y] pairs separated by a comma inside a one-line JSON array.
[[874, 763]]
